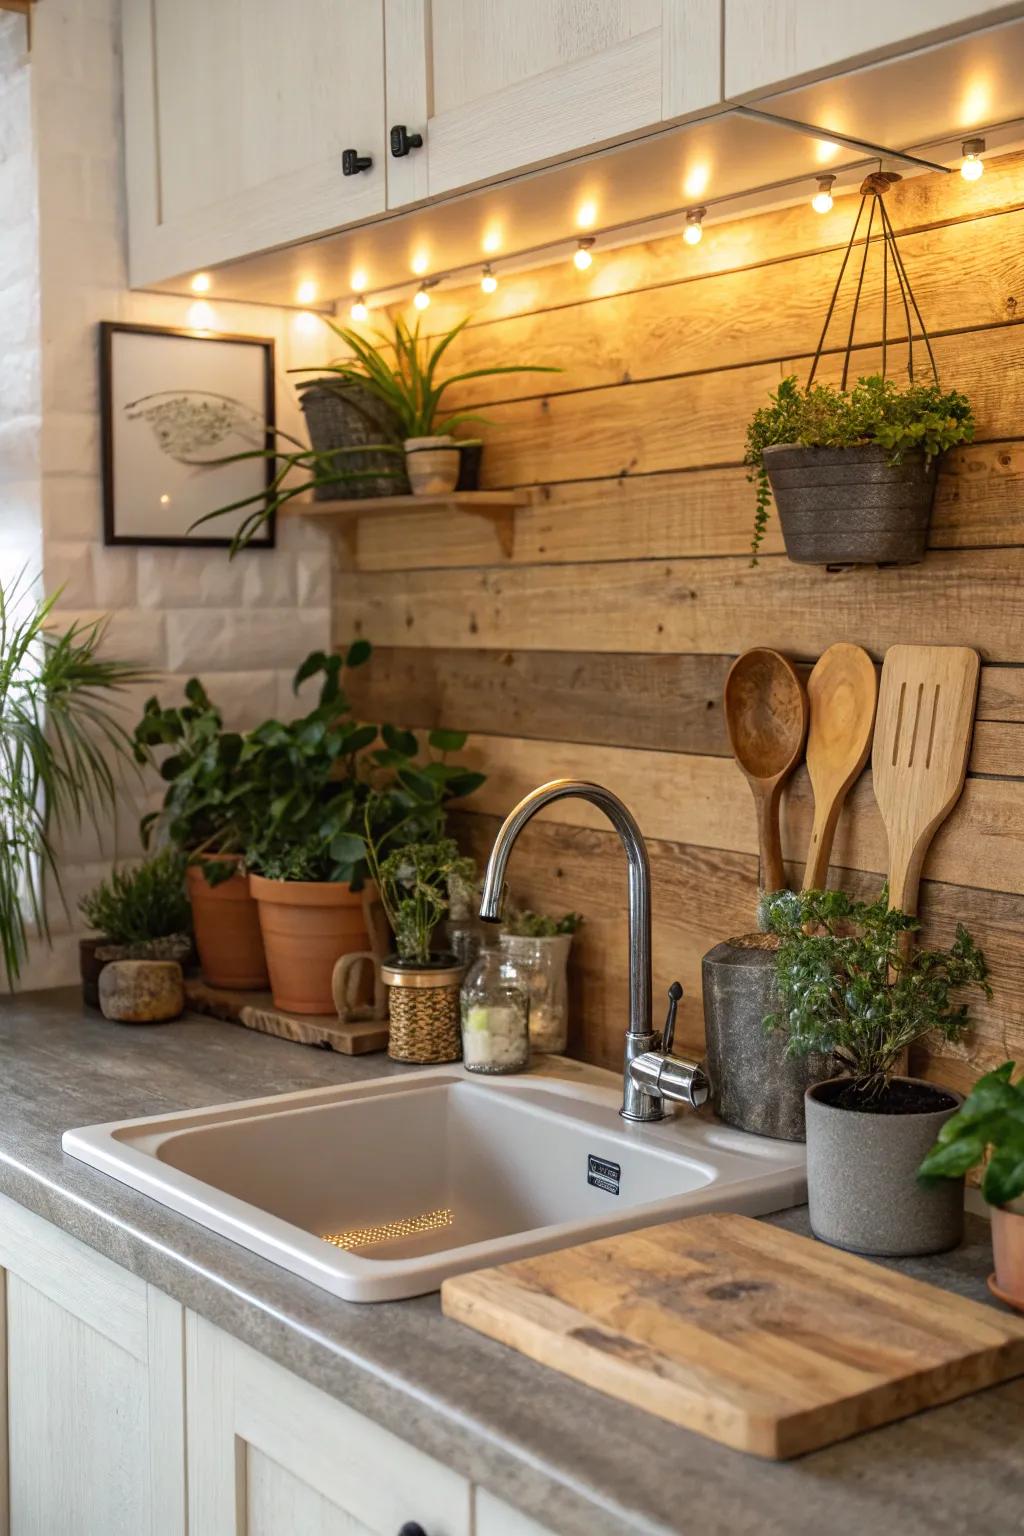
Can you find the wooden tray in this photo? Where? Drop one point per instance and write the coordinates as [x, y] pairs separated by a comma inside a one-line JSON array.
[[750, 1335], [255, 1010]]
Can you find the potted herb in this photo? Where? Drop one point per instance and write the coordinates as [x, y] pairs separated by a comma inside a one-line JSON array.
[[536, 949], [988, 1130], [415, 882], [206, 814], [139, 913], [853, 472], [60, 746], [850, 984]]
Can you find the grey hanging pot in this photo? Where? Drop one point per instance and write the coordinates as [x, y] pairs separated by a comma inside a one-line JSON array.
[[852, 506]]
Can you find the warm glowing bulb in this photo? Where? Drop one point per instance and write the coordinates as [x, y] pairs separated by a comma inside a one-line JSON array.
[[421, 298], [694, 231], [359, 310], [201, 282], [972, 166], [488, 281], [306, 292], [821, 202], [582, 258], [165, 500]]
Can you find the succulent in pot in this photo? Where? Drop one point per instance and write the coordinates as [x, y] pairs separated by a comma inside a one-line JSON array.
[[853, 472], [988, 1131], [138, 913], [849, 983]]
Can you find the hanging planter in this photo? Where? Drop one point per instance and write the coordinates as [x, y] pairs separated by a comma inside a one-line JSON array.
[[853, 470]]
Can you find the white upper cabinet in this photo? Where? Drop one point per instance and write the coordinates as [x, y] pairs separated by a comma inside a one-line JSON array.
[[497, 86], [237, 116], [770, 44]]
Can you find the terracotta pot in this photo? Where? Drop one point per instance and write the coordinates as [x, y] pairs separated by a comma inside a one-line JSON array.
[[433, 464], [307, 926], [1008, 1251], [227, 928]]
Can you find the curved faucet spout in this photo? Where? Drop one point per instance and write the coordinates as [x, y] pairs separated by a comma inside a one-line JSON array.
[[622, 820]]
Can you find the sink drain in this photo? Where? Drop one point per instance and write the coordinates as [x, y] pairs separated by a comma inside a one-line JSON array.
[[406, 1226]]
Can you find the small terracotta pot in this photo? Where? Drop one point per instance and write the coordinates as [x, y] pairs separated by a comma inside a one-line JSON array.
[[227, 928], [307, 926], [1008, 1251], [433, 464]]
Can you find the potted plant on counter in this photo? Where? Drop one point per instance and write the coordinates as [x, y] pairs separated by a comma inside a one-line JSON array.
[[849, 984], [853, 472], [139, 913], [988, 1130]]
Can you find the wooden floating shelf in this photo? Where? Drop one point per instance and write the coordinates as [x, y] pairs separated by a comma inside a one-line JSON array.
[[495, 507]]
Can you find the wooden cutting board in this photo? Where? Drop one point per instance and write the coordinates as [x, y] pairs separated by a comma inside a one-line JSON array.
[[752, 1336], [255, 1010]]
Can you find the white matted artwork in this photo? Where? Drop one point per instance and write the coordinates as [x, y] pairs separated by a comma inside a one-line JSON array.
[[174, 403]]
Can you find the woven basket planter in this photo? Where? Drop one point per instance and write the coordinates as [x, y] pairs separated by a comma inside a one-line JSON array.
[[852, 506], [423, 1011], [347, 416]]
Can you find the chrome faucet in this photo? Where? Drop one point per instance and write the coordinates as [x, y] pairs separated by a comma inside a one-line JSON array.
[[651, 1073]]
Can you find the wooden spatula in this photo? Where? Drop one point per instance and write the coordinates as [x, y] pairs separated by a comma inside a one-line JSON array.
[[922, 740], [841, 692]]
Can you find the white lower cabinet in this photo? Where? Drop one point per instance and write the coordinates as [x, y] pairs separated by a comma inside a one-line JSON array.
[[126, 1415]]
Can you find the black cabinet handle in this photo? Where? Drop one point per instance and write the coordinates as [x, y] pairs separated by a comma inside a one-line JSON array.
[[402, 141], [352, 162], [412, 1528]]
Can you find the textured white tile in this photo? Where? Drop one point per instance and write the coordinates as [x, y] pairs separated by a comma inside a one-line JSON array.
[[215, 639], [72, 507], [90, 575]]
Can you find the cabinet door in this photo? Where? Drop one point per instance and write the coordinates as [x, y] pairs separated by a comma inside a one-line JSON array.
[[269, 1454], [95, 1391], [496, 1518], [236, 117], [497, 86], [771, 45]]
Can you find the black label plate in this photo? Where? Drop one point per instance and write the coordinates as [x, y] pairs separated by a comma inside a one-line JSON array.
[[603, 1174]]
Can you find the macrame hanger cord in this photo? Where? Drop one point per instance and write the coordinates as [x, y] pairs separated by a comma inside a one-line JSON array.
[[856, 297], [835, 295]]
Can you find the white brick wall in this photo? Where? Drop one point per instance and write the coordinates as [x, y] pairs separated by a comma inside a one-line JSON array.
[[242, 625]]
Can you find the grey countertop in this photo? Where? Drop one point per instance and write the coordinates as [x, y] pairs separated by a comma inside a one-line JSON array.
[[576, 1461]]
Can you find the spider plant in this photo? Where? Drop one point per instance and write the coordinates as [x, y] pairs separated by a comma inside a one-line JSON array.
[[58, 744]]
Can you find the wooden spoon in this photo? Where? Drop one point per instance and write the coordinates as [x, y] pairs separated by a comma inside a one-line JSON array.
[[766, 716], [842, 692]]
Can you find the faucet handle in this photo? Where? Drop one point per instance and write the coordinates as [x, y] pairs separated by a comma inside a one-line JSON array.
[[675, 994]]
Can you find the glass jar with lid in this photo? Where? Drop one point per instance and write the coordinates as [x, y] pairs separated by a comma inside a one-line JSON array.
[[495, 1009], [539, 965]]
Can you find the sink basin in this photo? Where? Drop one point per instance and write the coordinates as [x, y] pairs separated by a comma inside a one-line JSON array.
[[379, 1190]]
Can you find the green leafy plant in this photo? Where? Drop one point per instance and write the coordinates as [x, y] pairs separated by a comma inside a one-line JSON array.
[[851, 986], [875, 410], [60, 744], [145, 902], [415, 883], [990, 1121], [524, 924]]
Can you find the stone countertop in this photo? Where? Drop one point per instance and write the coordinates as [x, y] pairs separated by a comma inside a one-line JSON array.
[[576, 1461]]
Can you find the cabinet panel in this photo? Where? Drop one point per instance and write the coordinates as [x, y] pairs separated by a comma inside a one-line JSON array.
[[496, 1518], [768, 45], [276, 1502], [235, 123]]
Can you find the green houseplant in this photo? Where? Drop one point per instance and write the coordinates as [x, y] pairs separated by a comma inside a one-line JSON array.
[[853, 471], [849, 984], [988, 1131], [60, 746], [138, 913]]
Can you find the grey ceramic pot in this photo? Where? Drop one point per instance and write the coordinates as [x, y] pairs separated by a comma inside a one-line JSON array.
[[851, 506], [755, 1086], [862, 1187]]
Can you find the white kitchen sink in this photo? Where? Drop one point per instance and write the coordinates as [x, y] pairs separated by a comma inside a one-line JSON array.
[[419, 1177]]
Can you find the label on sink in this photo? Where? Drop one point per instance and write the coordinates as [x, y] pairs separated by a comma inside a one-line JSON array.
[[603, 1174]]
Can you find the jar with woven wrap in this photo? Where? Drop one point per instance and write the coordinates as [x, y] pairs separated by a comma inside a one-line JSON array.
[[423, 1009]]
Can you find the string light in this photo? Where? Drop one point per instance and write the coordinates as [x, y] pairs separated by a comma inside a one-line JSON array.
[[582, 257], [694, 231], [359, 311], [821, 202], [972, 166], [201, 282], [421, 298], [488, 281], [306, 292]]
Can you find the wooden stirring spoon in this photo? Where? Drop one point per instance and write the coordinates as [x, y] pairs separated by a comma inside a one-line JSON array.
[[842, 692], [766, 716]]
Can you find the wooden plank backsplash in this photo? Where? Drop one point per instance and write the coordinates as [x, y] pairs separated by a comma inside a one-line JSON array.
[[599, 648]]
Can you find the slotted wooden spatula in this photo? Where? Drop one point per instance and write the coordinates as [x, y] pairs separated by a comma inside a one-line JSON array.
[[919, 761]]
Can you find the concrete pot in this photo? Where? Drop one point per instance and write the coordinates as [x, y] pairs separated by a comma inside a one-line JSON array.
[[1008, 1251], [433, 465], [755, 1086], [863, 1191], [851, 506]]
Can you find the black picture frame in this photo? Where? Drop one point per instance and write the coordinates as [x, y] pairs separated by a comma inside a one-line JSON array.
[[108, 330]]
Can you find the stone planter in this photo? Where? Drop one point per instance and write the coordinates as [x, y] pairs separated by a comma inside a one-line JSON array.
[[755, 1086], [141, 991], [433, 464], [97, 952], [851, 506], [863, 1191], [423, 1010], [1008, 1252], [307, 926]]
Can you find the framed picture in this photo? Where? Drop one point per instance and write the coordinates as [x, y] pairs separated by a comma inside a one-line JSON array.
[[173, 404]]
